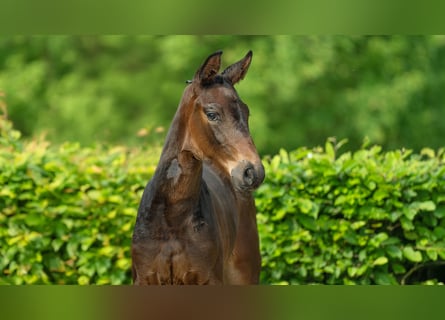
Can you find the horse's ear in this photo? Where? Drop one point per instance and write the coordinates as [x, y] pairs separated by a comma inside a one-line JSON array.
[[238, 70], [209, 68]]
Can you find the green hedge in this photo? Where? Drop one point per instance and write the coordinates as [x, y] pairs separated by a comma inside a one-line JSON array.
[[66, 213], [366, 217]]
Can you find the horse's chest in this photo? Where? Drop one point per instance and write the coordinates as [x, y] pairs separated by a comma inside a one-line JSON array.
[[182, 261]]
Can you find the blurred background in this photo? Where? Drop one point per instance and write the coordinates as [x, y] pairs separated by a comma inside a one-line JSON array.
[[300, 89]]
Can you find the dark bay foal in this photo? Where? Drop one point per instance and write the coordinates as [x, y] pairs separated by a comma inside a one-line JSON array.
[[196, 222]]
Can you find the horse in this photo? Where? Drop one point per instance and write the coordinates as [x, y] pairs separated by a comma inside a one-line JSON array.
[[196, 222]]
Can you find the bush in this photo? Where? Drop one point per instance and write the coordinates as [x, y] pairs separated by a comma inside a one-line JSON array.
[[366, 217], [67, 213]]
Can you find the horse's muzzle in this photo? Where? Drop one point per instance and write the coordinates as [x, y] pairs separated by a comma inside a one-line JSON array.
[[247, 176]]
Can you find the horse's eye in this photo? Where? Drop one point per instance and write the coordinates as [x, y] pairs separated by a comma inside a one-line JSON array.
[[212, 116]]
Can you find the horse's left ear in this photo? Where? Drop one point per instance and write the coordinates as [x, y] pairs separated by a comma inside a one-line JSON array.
[[238, 70], [209, 68]]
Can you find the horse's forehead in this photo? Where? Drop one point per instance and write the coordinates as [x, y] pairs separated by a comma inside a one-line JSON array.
[[220, 93]]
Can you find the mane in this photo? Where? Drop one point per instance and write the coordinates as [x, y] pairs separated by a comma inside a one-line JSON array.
[[218, 79]]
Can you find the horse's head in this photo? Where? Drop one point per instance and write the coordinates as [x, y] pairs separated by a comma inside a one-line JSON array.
[[217, 129]]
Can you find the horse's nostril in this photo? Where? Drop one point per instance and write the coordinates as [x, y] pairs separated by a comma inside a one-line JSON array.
[[249, 176]]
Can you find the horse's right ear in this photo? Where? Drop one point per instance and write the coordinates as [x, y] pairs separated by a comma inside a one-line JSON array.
[[209, 68]]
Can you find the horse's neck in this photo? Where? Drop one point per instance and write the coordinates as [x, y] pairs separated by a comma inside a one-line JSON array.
[[177, 133], [182, 175], [179, 174]]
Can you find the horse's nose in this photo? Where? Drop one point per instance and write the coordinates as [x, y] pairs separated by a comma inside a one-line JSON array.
[[253, 176], [248, 176]]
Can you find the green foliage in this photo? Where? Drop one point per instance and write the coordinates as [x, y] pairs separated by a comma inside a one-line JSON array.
[[66, 213], [357, 218], [300, 89], [368, 217]]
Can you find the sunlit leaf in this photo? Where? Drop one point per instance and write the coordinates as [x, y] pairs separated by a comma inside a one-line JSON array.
[[412, 254]]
